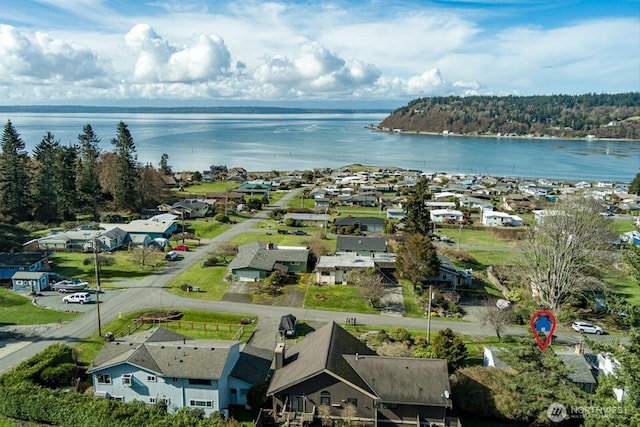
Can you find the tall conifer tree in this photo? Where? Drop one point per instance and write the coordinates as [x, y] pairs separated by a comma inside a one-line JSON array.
[[15, 201], [88, 183], [126, 180], [45, 196]]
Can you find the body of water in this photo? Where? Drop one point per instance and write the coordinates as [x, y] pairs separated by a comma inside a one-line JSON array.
[[284, 142]]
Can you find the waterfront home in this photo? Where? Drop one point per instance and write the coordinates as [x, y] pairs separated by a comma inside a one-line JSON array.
[[331, 369]]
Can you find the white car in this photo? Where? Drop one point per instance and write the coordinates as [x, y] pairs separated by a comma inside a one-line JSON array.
[[172, 255], [78, 297], [584, 327]]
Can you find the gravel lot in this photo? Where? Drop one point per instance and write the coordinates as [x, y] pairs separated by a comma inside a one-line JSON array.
[[53, 300]]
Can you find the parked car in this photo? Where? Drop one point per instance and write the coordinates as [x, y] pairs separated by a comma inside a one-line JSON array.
[[181, 248], [171, 255], [584, 327], [78, 297], [301, 233]]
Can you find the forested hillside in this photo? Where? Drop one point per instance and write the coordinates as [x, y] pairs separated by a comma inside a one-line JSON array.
[[565, 116]]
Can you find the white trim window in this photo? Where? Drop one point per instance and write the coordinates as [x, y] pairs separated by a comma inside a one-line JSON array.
[[201, 403], [151, 378], [118, 398], [127, 379], [103, 378], [152, 400]]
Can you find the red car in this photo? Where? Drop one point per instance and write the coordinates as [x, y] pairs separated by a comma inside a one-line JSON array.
[[181, 248]]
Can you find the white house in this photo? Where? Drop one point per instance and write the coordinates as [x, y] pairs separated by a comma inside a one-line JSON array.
[[335, 269], [161, 365], [492, 218], [444, 215]]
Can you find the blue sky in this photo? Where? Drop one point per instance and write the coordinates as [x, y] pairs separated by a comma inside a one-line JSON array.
[[365, 53]]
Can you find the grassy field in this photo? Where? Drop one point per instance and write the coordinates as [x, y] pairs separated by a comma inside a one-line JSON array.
[[624, 226], [625, 285], [209, 187], [473, 237], [274, 237], [18, 310], [411, 306], [207, 228], [208, 279], [89, 347], [121, 266], [336, 298]]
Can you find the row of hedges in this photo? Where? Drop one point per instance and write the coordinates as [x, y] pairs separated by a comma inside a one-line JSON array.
[[53, 367]]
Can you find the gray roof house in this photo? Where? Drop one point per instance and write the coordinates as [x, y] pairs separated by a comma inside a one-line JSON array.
[[449, 276], [191, 208], [28, 281], [361, 245], [81, 239], [332, 367], [159, 364], [364, 223], [256, 260], [10, 263], [159, 226]]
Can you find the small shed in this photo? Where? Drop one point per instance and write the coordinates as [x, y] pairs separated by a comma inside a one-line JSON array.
[[28, 281], [287, 326]]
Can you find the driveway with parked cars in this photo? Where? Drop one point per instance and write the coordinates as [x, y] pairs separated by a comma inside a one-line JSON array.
[[53, 300]]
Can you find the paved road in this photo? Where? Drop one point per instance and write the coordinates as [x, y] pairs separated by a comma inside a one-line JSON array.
[[149, 293]]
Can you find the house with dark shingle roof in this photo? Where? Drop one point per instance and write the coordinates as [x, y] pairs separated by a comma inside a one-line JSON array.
[[332, 367], [256, 260], [161, 365], [361, 245], [10, 263], [364, 223]]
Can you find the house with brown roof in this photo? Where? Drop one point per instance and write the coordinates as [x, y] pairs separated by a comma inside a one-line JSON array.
[[332, 369]]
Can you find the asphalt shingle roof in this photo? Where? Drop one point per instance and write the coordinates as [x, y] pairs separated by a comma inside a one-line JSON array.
[[361, 243], [262, 256]]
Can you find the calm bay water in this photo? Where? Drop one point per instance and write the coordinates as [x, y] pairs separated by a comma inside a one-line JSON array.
[[260, 142]]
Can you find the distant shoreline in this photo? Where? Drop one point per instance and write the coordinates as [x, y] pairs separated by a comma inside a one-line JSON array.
[[495, 136]]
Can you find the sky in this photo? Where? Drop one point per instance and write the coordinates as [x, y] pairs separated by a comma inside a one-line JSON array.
[[312, 53]]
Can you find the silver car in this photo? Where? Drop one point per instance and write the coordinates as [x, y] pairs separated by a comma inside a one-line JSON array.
[[584, 327], [78, 297]]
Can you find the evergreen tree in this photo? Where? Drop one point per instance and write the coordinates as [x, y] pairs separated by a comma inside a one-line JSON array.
[[15, 190], [416, 215], [90, 193], [65, 182], [45, 196], [449, 346], [634, 186], [125, 195], [165, 168], [417, 259]]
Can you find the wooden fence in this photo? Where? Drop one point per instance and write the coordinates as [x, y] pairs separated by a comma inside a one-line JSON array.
[[182, 324]]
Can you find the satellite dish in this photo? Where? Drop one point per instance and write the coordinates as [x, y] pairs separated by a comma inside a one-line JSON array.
[[446, 394]]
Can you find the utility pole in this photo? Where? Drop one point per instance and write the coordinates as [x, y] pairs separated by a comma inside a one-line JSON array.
[[96, 262], [429, 317]]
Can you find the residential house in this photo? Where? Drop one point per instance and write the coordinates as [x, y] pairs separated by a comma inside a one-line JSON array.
[[161, 365], [335, 269], [361, 245], [440, 205], [190, 208], [393, 213], [256, 260], [332, 368], [446, 215], [310, 220], [30, 281], [363, 223], [449, 276], [581, 373], [159, 226], [11, 263], [492, 218], [107, 238]]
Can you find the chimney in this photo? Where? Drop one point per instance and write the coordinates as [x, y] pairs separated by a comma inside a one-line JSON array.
[[279, 355]]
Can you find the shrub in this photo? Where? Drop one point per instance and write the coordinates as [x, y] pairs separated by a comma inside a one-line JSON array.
[[398, 333]]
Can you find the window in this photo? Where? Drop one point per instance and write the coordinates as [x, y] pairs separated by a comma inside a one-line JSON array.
[[325, 398], [353, 401], [126, 379], [166, 400], [390, 405], [199, 381], [118, 398], [151, 378], [201, 403], [175, 380], [152, 400], [104, 379]]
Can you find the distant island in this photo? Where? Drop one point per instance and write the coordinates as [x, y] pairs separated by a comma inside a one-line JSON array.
[[44, 109], [610, 116]]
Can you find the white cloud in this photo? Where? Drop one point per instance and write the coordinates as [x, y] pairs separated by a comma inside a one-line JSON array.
[[44, 60], [158, 60]]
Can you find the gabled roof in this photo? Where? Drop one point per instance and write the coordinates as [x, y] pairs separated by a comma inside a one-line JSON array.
[[20, 258], [404, 380], [361, 243], [321, 351], [167, 354], [265, 256], [363, 220]]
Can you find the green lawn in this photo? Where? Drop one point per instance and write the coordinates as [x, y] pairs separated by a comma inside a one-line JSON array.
[[336, 298], [357, 212], [411, 306], [208, 279], [18, 310], [274, 237], [624, 226], [121, 266], [207, 228], [487, 258], [89, 347], [625, 285], [210, 187], [472, 237]]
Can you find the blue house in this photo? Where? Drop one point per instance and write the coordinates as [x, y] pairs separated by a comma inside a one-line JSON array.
[[161, 365], [27, 281], [10, 263]]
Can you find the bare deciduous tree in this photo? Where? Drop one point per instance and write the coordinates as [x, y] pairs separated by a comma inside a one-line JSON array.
[[370, 284], [146, 255], [348, 413], [495, 316], [566, 252], [324, 412]]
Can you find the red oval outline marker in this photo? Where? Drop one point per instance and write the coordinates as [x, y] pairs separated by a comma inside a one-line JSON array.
[[549, 336]]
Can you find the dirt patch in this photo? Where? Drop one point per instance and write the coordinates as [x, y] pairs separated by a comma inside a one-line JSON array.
[[155, 316]]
